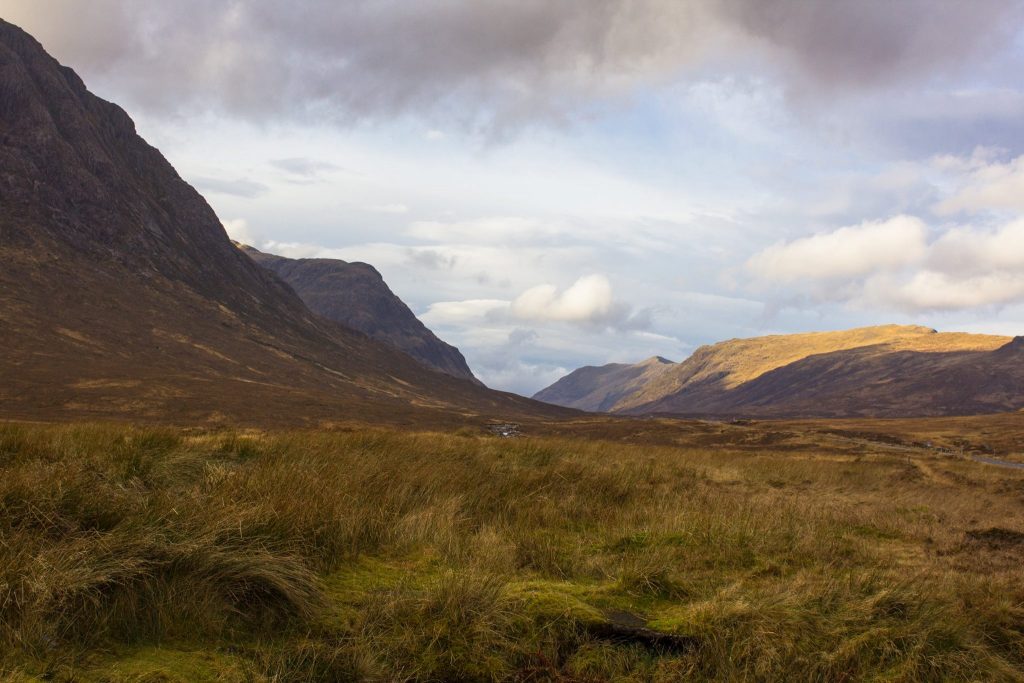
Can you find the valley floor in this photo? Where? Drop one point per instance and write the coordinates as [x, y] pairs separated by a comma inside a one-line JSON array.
[[614, 551]]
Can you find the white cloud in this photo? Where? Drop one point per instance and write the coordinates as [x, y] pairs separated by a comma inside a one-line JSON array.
[[238, 229], [979, 158], [967, 251], [490, 230], [935, 291], [387, 208], [991, 186], [589, 299], [844, 253], [964, 268], [460, 312]]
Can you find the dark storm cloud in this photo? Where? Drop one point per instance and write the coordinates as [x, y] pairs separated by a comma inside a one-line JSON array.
[[495, 63]]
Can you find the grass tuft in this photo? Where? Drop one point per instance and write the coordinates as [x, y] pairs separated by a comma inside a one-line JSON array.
[[131, 553]]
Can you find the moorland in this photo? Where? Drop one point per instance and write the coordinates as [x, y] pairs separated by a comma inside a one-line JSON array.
[[700, 551], [208, 472]]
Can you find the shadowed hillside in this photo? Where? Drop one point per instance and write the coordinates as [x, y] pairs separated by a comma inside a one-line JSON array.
[[355, 295], [121, 295], [601, 389]]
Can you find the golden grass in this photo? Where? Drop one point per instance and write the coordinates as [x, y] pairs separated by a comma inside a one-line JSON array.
[[155, 554]]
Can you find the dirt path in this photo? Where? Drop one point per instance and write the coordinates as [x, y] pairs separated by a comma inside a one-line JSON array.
[[920, 450], [998, 463]]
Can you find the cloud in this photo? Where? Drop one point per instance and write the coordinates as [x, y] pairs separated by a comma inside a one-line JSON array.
[[238, 229], [937, 291], [304, 166], [865, 44], [522, 337], [448, 312], [979, 158], [965, 251], [892, 265], [844, 253], [431, 259], [387, 208], [988, 186], [237, 187], [508, 354], [519, 376], [588, 301], [489, 230], [495, 64]]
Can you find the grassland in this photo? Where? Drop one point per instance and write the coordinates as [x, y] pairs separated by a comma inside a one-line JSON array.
[[151, 554]]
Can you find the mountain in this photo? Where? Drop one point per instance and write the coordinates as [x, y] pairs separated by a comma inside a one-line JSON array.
[[601, 389], [355, 295], [883, 371], [121, 296]]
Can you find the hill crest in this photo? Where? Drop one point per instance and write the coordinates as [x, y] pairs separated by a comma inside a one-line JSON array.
[[768, 375]]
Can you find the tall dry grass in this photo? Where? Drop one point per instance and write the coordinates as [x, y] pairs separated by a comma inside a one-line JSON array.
[[377, 555]]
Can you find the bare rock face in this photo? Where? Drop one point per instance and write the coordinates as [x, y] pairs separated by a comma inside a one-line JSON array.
[[883, 371], [121, 295], [356, 296]]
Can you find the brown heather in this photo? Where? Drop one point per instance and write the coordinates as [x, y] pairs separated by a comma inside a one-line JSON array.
[[141, 554]]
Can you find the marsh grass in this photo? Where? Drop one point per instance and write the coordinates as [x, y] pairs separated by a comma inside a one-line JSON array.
[[129, 552]]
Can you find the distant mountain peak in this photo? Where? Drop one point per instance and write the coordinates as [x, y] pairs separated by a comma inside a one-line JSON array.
[[354, 294], [891, 370]]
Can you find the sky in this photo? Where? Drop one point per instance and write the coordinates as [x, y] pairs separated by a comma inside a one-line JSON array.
[[557, 183]]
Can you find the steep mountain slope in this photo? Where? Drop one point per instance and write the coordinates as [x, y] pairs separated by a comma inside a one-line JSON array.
[[877, 371], [601, 389], [121, 295], [355, 295]]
